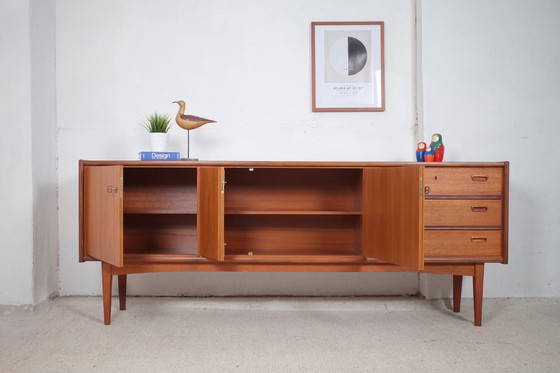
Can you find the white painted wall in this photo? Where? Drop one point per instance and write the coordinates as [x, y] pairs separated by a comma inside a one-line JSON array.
[[489, 82], [28, 222], [491, 78], [16, 219], [245, 64], [44, 158]]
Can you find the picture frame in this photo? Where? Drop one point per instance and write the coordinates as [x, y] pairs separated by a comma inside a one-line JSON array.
[[348, 72]]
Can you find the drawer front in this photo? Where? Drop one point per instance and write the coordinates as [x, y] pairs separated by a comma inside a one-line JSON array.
[[469, 244], [463, 181], [463, 213]]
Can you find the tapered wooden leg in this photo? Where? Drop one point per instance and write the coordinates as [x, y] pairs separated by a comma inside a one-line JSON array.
[[457, 289], [478, 280], [122, 292], [107, 279]]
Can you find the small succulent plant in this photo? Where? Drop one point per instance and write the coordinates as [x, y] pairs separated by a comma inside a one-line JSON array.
[[157, 123]]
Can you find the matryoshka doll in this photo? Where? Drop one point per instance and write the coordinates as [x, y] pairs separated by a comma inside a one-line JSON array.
[[429, 155], [437, 147], [420, 151]]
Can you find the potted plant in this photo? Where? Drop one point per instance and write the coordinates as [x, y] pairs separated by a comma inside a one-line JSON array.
[[157, 125]]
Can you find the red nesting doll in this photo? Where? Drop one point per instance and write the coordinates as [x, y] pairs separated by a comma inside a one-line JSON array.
[[420, 151], [437, 147], [429, 155]]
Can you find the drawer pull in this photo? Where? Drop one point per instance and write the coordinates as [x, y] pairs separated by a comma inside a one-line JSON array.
[[475, 239], [479, 178], [479, 209]]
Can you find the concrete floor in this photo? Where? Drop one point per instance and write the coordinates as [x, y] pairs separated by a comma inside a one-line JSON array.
[[385, 334]]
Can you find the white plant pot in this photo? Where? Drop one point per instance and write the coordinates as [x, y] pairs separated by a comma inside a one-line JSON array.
[[158, 141]]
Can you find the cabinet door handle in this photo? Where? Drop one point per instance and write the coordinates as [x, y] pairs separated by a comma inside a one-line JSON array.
[[111, 189], [478, 239], [479, 178], [479, 208]]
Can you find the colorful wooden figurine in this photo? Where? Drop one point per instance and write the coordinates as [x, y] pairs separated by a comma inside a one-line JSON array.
[[429, 155], [437, 147], [420, 151]]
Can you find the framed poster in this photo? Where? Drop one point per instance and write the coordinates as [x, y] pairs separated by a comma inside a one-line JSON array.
[[347, 66]]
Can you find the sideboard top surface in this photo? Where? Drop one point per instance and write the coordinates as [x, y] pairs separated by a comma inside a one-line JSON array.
[[291, 164]]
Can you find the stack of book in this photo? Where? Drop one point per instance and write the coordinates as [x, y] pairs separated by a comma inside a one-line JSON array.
[[160, 156]]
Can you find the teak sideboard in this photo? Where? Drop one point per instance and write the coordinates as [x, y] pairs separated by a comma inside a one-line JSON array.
[[159, 216]]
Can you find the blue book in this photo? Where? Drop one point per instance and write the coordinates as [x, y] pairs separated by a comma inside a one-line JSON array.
[[160, 156]]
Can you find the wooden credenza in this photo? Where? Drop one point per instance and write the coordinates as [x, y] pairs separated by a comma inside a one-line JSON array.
[[159, 216]]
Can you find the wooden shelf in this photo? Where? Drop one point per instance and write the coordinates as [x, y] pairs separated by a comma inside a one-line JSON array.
[[291, 190], [290, 212], [289, 253], [293, 234], [154, 234], [160, 191], [155, 211], [157, 252]]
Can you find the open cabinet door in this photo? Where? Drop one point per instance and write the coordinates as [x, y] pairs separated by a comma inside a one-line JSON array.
[[103, 213], [210, 217], [393, 215]]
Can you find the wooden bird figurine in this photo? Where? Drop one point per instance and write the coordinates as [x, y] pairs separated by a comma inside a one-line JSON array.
[[189, 122]]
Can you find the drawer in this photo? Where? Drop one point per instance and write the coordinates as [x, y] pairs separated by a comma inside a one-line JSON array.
[[463, 181], [469, 244], [463, 213]]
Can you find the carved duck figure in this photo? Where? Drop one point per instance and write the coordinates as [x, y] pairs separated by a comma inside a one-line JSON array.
[[189, 122]]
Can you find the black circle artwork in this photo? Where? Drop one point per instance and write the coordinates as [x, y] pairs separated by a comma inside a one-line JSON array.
[[357, 56]]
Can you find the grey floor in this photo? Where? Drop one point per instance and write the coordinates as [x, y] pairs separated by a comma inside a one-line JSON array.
[[389, 334]]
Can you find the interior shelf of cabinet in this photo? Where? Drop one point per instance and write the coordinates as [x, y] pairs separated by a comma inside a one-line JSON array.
[[131, 253], [292, 235], [291, 252], [155, 211], [292, 212], [353, 257], [159, 234], [160, 191], [293, 191]]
